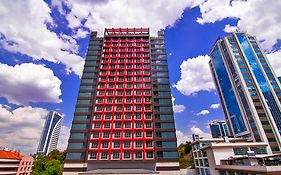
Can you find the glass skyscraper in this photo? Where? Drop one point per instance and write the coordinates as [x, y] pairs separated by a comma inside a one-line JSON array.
[[50, 134], [123, 121], [248, 89], [219, 129]]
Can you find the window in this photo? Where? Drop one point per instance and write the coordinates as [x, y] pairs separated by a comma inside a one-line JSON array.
[[107, 117], [97, 117], [109, 100], [96, 135], [137, 116], [127, 144], [127, 134], [104, 155], [148, 134], [116, 144], [138, 144], [106, 125], [128, 125], [138, 125], [240, 151], [105, 144], [118, 117], [93, 155], [118, 125], [108, 108], [106, 135], [96, 125], [138, 134], [115, 155], [148, 116], [119, 108], [138, 108], [128, 108], [149, 155], [138, 155], [148, 125], [127, 155], [117, 134], [94, 145], [99, 108], [128, 116], [149, 144]]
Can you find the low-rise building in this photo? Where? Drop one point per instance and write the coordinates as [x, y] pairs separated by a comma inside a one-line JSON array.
[[13, 163], [232, 156]]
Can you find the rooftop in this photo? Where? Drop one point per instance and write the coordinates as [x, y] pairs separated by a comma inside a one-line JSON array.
[[10, 155]]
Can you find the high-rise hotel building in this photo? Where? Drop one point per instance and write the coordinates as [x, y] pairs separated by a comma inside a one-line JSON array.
[[50, 133], [248, 89], [123, 121]]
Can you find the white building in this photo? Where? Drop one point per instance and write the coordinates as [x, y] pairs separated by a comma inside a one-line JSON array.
[[50, 134], [234, 156]]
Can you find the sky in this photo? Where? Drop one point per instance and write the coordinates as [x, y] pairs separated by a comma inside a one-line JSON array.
[[43, 46]]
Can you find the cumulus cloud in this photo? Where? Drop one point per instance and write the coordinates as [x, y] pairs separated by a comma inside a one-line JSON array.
[[215, 106], [275, 61], [176, 107], [21, 128], [25, 29], [195, 76], [203, 112], [97, 15], [182, 138], [80, 34], [198, 131], [228, 28], [29, 82], [252, 17]]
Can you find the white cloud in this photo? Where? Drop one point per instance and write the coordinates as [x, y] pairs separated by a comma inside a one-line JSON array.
[[29, 82], [21, 128], [98, 15], [198, 131], [24, 29], [215, 106], [177, 108], [195, 76], [228, 28], [203, 112], [275, 61], [63, 139], [252, 17], [182, 138], [80, 34]]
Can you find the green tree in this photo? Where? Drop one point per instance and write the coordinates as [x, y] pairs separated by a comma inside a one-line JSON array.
[[52, 164]]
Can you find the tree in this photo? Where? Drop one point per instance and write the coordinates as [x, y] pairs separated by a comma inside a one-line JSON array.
[[52, 164]]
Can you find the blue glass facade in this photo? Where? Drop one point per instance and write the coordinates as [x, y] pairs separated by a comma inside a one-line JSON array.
[[260, 77], [248, 88], [231, 104]]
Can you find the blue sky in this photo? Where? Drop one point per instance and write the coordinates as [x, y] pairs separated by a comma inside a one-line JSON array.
[[43, 45]]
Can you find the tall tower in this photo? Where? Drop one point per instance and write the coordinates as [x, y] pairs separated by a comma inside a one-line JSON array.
[[248, 89], [50, 134], [219, 129], [123, 121]]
